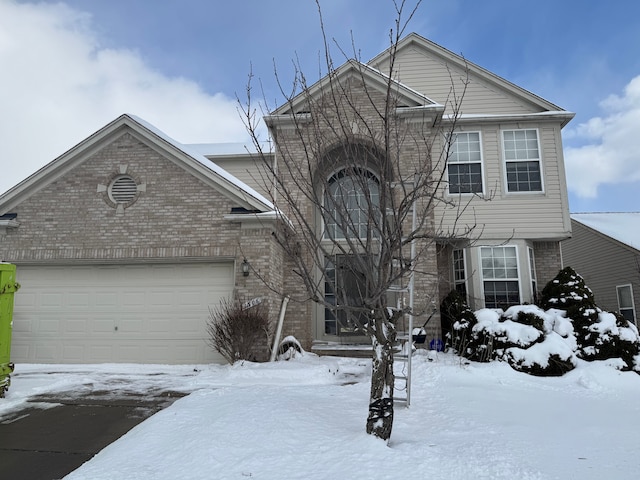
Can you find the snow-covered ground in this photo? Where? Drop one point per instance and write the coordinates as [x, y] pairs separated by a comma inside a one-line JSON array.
[[304, 419]]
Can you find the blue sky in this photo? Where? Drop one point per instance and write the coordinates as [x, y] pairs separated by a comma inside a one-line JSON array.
[[74, 66]]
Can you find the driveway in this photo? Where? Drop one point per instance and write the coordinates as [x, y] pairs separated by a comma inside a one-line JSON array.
[[56, 433]]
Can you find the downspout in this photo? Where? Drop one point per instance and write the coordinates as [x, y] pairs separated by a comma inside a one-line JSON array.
[[276, 338]]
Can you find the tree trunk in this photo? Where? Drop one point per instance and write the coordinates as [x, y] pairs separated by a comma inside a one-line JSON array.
[[380, 419]]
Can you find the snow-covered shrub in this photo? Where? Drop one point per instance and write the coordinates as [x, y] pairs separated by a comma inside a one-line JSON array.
[[457, 320], [551, 357], [611, 336], [567, 291], [237, 332], [500, 332], [598, 335]]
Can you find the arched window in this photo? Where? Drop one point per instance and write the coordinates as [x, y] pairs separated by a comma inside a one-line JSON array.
[[351, 203]]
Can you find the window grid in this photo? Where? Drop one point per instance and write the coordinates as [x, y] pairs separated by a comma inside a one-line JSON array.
[[499, 267], [459, 274], [465, 163], [522, 160], [626, 305], [532, 271], [356, 197]]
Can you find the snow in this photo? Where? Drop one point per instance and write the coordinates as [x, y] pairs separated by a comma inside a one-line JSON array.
[[624, 226], [305, 419]]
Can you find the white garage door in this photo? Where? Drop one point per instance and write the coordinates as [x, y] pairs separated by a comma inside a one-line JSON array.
[[117, 313]]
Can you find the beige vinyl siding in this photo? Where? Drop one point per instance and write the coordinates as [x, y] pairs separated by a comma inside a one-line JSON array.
[[428, 74], [500, 214], [246, 169], [604, 263]]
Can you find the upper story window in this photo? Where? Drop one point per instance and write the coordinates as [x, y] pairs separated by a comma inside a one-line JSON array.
[[352, 199], [464, 165], [522, 160]]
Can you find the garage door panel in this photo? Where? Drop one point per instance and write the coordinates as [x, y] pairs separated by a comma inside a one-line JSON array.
[[140, 313]]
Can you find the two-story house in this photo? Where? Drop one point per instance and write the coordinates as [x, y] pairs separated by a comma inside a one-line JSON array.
[[125, 241]]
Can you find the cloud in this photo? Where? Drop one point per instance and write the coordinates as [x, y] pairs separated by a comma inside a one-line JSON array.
[[611, 150], [59, 85]]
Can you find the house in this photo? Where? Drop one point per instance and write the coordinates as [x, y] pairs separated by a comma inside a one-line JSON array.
[[125, 241], [605, 250]]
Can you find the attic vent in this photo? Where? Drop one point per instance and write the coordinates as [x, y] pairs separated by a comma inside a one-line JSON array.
[[123, 189]]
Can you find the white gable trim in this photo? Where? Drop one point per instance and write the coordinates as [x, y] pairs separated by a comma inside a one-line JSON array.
[[352, 68]]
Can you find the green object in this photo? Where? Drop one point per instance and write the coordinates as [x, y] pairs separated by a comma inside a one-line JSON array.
[[8, 286]]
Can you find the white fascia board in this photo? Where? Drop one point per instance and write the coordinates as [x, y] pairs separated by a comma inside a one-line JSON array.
[[562, 115]]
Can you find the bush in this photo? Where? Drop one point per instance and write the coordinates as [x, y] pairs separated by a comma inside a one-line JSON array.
[[239, 333], [598, 335], [612, 336], [457, 321], [567, 291]]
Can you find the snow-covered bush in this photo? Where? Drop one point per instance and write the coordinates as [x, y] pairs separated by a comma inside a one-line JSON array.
[[551, 357], [612, 336], [457, 321], [598, 335]]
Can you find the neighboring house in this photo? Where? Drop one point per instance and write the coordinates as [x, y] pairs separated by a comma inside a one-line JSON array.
[[605, 250], [125, 241]]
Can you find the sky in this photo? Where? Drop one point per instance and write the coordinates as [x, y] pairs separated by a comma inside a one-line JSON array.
[[69, 68]]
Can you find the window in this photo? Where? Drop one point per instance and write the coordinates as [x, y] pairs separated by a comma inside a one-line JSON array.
[[350, 200], [344, 288], [522, 160], [459, 274], [532, 271], [464, 165], [500, 276], [625, 302]]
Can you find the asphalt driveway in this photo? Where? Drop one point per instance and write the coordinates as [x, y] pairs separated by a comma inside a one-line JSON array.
[[55, 434]]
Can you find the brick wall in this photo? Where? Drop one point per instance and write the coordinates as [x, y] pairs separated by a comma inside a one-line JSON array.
[[548, 261]]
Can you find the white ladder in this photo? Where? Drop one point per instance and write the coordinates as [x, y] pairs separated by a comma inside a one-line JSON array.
[[402, 367]]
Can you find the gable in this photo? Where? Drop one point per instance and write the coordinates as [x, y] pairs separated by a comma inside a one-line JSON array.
[[74, 211], [433, 70], [191, 162], [371, 80]]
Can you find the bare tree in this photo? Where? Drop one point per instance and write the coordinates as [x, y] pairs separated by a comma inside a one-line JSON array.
[[356, 176]]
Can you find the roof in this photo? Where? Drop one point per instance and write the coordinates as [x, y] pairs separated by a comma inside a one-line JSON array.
[[623, 227], [190, 158], [372, 76]]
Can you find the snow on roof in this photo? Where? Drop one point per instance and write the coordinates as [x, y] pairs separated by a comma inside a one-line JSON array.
[[199, 157], [624, 227]]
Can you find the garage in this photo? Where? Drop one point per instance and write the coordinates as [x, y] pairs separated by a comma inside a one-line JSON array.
[[117, 313]]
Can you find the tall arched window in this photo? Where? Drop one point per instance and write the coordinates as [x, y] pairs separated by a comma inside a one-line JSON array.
[[351, 201]]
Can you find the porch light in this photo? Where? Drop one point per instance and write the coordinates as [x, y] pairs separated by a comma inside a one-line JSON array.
[[245, 268]]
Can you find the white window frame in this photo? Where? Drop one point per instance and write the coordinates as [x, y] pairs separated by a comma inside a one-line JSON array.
[[500, 279], [532, 273], [632, 307], [507, 161], [466, 162], [456, 281]]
